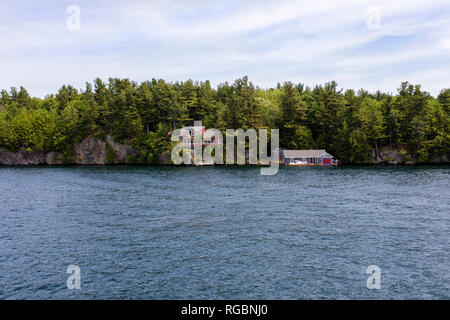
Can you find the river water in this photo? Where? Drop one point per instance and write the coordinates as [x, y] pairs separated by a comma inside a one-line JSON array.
[[224, 232]]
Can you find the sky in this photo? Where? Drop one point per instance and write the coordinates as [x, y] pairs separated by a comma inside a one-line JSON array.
[[359, 44]]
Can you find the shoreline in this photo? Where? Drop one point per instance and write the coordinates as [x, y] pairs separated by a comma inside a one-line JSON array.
[[91, 151], [432, 164]]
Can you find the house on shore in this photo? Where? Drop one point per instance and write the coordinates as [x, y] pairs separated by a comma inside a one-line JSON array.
[[189, 135], [307, 158]]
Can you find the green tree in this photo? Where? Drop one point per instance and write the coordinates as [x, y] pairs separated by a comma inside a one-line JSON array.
[[371, 121]]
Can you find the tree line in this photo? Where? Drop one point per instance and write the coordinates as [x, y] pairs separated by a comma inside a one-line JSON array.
[[350, 125]]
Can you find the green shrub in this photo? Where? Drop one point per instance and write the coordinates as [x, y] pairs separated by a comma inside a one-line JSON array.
[[110, 154]]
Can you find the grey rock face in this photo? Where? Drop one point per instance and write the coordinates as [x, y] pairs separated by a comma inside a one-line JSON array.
[[121, 151], [53, 158], [90, 151], [22, 158]]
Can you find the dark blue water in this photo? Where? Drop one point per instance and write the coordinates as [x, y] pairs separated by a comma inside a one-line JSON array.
[[224, 232]]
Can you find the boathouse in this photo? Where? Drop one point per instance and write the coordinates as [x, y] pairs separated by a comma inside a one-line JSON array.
[[307, 157]]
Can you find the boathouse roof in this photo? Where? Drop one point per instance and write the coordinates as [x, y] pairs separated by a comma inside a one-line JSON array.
[[305, 153]]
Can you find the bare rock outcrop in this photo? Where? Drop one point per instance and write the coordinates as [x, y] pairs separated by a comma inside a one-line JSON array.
[[22, 158], [122, 152], [94, 151], [90, 151], [54, 158], [399, 153]]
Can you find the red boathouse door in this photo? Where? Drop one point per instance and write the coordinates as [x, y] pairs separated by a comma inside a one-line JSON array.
[[326, 161]]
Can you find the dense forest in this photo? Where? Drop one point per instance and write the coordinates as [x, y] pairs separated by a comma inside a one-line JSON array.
[[348, 124]]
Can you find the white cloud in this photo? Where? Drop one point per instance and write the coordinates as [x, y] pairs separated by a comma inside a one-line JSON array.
[[445, 42], [307, 41]]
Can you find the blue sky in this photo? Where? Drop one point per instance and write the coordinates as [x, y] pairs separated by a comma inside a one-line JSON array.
[[270, 41]]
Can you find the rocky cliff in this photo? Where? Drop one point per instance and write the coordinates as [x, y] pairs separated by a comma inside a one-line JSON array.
[[93, 151], [400, 154], [90, 151]]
